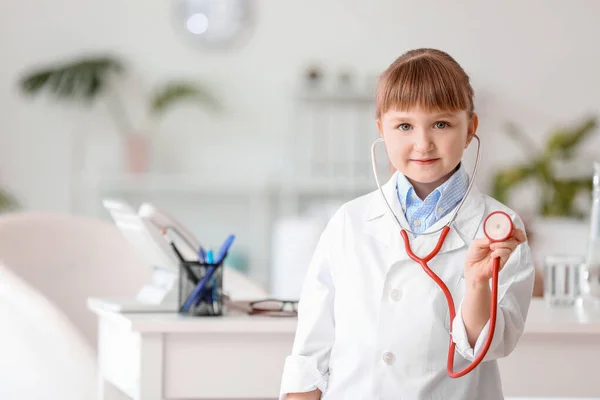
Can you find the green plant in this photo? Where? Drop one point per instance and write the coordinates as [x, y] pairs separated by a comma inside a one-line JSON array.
[[173, 92], [87, 79], [7, 201], [557, 193]]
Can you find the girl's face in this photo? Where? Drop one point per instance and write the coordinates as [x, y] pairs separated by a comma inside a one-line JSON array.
[[426, 146]]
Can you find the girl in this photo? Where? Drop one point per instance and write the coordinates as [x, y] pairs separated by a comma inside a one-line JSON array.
[[371, 323]]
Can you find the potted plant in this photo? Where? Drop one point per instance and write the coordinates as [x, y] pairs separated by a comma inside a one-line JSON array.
[[551, 168], [89, 79], [562, 172]]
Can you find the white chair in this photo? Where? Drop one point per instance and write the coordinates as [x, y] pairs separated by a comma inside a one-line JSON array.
[[42, 354], [68, 259]]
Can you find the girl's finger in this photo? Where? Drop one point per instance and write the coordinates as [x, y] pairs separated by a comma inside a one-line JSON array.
[[482, 243], [510, 244], [502, 253], [519, 235]]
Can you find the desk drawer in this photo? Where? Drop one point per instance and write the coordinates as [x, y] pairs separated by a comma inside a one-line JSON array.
[[224, 365]]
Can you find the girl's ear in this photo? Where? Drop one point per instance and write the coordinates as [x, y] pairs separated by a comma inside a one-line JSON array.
[[379, 128], [469, 139], [473, 124], [472, 129]]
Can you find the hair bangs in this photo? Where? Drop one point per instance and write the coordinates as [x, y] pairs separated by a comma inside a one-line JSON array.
[[426, 82]]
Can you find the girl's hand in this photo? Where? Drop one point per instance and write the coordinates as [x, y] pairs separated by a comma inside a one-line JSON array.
[[479, 262], [314, 395]]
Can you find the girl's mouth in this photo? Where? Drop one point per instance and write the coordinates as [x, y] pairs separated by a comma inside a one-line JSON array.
[[426, 161]]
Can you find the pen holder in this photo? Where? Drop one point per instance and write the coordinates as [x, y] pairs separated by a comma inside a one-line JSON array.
[[201, 289]]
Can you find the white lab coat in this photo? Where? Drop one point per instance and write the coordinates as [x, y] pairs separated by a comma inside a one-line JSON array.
[[373, 326]]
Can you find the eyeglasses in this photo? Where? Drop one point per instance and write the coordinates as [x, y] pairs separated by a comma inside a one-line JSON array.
[[274, 308]]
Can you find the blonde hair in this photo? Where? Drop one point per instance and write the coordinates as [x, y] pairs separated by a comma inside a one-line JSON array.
[[427, 78]]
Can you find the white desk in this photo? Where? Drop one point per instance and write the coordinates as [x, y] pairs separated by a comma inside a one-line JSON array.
[[557, 356], [157, 356], [169, 356]]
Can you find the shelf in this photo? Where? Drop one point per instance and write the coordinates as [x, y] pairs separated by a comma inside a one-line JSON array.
[[180, 183], [173, 183], [324, 187]]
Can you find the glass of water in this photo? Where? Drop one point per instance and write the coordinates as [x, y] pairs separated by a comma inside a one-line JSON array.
[[561, 279]]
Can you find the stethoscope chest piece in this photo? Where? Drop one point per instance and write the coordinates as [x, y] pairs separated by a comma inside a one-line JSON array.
[[498, 226]]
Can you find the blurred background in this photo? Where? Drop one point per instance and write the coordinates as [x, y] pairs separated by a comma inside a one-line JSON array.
[[280, 96], [258, 121]]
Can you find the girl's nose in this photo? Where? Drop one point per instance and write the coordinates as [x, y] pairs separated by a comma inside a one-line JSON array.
[[422, 142]]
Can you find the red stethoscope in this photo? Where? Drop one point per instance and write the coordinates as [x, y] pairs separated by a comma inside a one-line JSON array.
[[497, 227]]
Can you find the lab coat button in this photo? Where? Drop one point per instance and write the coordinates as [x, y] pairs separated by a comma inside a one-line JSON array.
[[388, 358], [396, 295]]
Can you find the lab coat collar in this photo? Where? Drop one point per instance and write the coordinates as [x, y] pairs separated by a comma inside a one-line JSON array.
[[381, 225]]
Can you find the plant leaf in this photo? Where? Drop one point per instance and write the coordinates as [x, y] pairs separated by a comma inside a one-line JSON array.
[[84, 78], [564, 141], [506, 179], [94, 86], [174, 92], [34, 82], [7, 201], [558, 194]]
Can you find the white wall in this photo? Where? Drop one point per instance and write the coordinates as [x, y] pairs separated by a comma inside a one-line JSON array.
[[532, 62]]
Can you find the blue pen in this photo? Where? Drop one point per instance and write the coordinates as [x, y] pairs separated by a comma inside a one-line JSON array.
[[208, 259], [225, 248], [199, 290], [220, 257], [213, 282]]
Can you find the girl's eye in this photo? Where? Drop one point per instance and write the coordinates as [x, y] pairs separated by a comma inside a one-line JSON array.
[[404, 127], [441, 125]]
